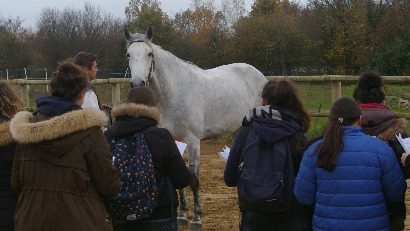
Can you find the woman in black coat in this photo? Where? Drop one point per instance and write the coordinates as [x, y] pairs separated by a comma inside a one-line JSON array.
[[10, 104], [140, 114], [378, 120]]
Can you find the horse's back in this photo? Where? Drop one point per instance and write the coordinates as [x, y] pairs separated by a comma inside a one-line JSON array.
[[238, 70], [228, 92], [214, 101], [240, 75]]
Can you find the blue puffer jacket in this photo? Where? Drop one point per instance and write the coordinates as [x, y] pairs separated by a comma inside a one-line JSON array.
[[352, 196]]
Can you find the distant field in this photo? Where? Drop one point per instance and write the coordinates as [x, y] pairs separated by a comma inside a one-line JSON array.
[[315, 97]]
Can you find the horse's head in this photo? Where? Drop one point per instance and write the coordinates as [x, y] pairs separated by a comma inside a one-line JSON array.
[[140, 55]]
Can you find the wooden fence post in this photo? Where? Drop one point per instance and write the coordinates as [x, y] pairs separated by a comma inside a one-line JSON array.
[[336, 90], [24, 94], [115, 93]]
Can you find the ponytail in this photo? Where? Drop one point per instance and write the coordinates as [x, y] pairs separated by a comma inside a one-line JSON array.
[[331, 145], [345, 112]]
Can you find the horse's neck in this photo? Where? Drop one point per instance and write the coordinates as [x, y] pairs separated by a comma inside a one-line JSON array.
[[169, 76]]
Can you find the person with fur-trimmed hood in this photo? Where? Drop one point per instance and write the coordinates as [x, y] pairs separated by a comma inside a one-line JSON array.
[[10, 104], [62, 164], [378, 120], [140, 114]]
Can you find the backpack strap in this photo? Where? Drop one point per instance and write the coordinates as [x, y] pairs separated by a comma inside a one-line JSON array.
[[112, 145], [242, 146]]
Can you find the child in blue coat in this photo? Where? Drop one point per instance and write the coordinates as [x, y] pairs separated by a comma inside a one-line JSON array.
[[349, 176]]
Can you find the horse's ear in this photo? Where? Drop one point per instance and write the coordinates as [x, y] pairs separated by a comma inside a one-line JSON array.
[[127, 33], [150, 33]]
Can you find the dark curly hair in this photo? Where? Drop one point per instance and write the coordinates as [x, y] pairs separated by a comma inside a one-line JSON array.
[[68, 81], [369, 88]]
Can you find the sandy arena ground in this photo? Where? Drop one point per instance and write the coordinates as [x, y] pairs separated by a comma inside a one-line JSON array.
[[220, 209]]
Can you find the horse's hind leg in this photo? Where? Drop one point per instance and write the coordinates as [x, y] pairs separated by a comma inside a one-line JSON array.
[[183, 208], [194, 169], [196, 223]]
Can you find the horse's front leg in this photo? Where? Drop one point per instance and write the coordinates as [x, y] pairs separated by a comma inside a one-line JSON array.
[[183, 208], [194, 159]]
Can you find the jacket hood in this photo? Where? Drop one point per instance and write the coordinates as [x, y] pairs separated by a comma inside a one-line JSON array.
[[5, 135], [131, 118], [58, 135], [266, 111], [382, 123], [136, 110], [273, 130], [25, 132], [54, 106], [273, 124]]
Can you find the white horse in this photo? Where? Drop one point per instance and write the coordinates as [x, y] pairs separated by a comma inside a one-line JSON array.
[[196, 104]]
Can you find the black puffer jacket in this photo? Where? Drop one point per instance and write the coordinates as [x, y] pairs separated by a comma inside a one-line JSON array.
[[132, 118], [8, 199]]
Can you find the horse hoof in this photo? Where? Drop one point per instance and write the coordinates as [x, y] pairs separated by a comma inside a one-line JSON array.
[[195, 226], [182, 222]]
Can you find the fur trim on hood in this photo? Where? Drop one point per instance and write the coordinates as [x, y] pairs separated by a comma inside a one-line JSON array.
[[5, 135], [23, 131], [136, 110], [398, 127]]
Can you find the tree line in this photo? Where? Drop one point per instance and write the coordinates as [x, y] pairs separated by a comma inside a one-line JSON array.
[[279, 37]]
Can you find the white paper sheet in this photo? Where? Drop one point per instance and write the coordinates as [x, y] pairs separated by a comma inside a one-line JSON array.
[[405, 143], [181, 147], [225, 153]]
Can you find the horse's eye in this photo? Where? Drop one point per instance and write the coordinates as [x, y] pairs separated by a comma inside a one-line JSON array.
[[128, 55], [150, 54]]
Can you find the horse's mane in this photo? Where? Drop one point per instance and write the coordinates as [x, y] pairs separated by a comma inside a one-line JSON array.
[[142, 37], [172, 55]]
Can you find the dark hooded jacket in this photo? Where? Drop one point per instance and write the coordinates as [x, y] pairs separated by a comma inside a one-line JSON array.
[[131, 118], [272, 124], [62, 167], [8, 199], [384, 124]]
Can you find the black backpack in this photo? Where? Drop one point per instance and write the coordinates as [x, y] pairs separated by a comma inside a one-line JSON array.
[[267, 173]]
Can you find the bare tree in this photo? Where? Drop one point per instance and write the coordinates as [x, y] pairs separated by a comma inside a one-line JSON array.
[[63, 33], [136, 7], [233, 10]]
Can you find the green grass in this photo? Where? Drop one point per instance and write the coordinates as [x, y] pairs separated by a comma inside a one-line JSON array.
[[315, 97]]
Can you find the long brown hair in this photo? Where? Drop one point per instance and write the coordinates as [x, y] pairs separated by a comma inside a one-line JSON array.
[[284, 94], [10, 102], [344, 112]]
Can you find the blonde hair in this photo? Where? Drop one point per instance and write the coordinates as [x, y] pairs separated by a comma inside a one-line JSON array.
[[10, 102]]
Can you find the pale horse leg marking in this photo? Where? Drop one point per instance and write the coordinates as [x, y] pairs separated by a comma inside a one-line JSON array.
[[193, 150]]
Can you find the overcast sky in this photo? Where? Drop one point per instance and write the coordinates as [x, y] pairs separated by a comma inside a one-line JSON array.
[[29, 10]]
